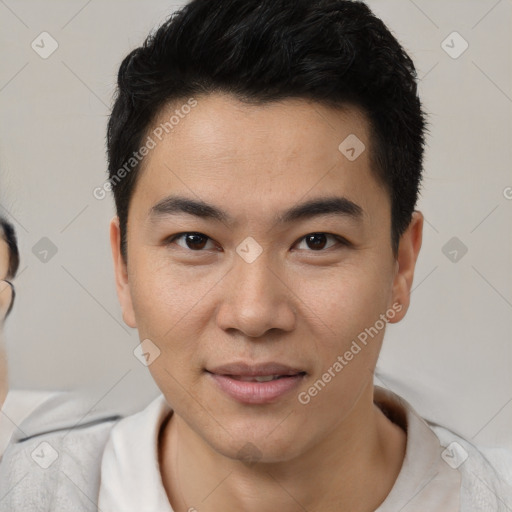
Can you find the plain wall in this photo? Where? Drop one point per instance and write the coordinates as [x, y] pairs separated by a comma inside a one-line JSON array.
[[451, 356]]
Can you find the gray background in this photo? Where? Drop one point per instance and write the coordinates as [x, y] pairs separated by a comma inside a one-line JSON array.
[[451, 356]]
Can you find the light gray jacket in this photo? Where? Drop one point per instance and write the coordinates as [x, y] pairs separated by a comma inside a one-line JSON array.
[[53, 465]]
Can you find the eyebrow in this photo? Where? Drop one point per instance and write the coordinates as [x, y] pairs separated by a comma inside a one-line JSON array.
[[340, 206]]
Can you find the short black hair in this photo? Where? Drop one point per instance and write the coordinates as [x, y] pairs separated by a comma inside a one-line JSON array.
[[8, 233], [334, 52]]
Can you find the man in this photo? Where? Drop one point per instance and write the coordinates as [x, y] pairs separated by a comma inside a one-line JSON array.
[[265, 159], [15, 405], [9, 263]]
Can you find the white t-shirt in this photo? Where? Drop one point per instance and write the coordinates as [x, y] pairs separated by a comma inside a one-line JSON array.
[[18, 405], [131, 479]]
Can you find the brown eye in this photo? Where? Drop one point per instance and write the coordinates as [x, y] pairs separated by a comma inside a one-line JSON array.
[[192, 241], [318, 241], [195, 241]]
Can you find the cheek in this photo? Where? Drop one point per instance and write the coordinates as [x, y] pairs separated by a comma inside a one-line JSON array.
[[343, 309], [346, 328], [169, 312], [172, 309], [163, 294], [345, 300]]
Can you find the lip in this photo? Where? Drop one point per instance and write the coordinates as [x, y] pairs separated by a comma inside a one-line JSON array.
[[243, 369], [250, 392]]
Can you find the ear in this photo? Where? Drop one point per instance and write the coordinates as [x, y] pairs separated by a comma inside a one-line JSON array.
[[408, 250], [121, 274]]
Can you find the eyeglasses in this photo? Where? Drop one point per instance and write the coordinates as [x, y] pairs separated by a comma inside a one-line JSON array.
[[13, 294]]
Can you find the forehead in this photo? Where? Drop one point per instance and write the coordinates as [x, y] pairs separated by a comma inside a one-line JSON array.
[[275, 152], [222, 127]]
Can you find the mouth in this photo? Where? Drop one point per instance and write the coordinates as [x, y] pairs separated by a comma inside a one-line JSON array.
[[263, 378], [256, 384]]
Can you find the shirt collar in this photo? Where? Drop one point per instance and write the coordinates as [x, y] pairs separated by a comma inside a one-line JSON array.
[[425, 483]]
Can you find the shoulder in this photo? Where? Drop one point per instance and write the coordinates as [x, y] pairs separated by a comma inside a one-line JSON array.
[[484, 476], [54, 458], [18, 405], [486, 473]]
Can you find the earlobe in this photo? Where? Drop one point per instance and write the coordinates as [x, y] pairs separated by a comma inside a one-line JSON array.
[[121, 275], [408, 251]]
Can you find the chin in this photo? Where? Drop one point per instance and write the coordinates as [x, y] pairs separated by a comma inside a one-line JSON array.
[[260, 444]]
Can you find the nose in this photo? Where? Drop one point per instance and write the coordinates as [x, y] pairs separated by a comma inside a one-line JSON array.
[[256, 299]]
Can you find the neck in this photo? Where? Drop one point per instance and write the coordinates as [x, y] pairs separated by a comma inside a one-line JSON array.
[[331, 476]]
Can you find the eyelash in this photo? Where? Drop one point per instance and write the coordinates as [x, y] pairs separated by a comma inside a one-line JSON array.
[[341, 241]]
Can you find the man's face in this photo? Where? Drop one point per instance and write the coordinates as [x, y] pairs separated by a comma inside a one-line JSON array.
[[5, 289], [252, 287]]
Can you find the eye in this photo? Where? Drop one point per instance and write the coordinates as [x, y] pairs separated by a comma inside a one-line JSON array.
[[319, 241], [193, 241]]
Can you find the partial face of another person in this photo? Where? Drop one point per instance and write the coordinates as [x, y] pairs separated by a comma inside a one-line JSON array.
[[5, 287], [286, 260]]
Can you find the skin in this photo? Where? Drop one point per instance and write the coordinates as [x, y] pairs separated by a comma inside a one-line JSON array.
[[5, 300], [295, 304]]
